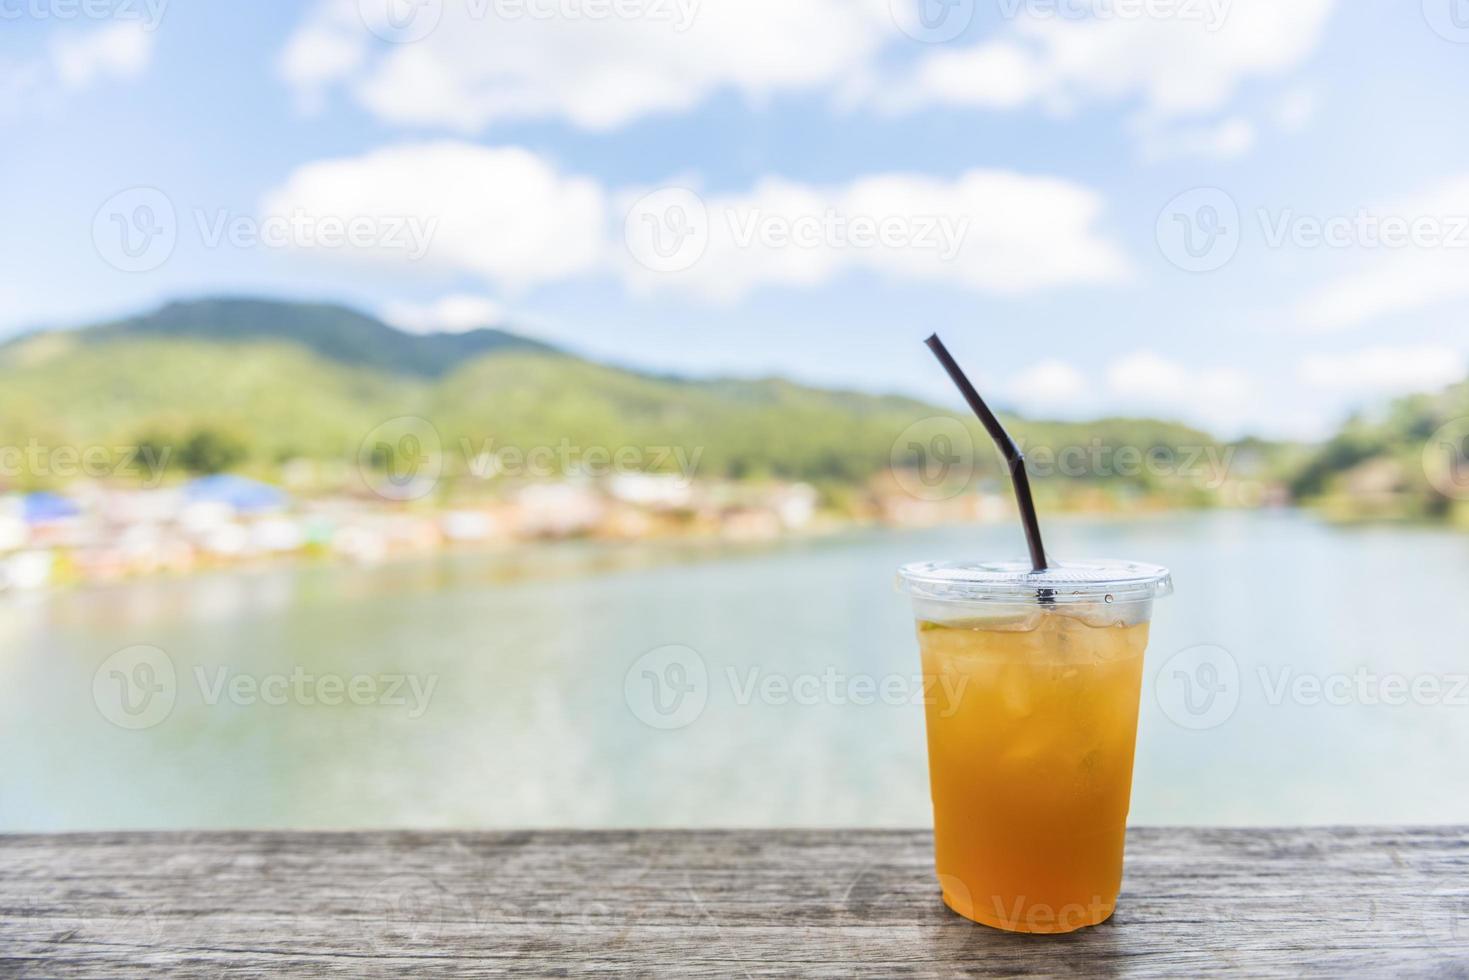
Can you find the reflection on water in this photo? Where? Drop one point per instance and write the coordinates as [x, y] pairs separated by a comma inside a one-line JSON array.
[[673, 686]]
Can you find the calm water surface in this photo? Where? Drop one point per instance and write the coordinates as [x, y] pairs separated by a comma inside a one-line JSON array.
[[529, 720]]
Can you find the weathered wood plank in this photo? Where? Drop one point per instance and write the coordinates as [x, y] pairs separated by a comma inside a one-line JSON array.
[[756, 903]]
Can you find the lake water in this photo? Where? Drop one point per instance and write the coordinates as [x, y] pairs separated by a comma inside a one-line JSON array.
[[539, 714]]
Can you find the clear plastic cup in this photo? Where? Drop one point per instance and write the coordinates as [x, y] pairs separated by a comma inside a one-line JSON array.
[[1032, 681]]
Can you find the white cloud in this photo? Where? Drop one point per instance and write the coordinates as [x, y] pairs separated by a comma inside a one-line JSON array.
[[487, 61], [1387, 280], [1386, 370], [1172, 67], [511, 218], [988, 230], [504, 214], [1049, 388], [1395, 284], [75, 61], [317, 55], [1224, 399], [993, 75], [1306, 403], [456, 313], [119, 50], [1175, 65]]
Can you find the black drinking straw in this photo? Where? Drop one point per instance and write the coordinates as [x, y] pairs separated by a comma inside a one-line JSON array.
[[1014, 458]]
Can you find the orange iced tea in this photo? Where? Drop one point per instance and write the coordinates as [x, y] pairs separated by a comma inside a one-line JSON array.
[[1031, 727], [1032, 712]]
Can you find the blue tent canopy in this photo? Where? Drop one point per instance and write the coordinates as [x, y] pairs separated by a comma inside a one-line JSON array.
[[41, 507], [241, 493]]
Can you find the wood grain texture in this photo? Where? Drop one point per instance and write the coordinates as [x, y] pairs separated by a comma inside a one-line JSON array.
[[1337, 902]]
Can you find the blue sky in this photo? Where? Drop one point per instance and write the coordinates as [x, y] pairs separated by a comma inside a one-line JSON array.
[[1069, 150]]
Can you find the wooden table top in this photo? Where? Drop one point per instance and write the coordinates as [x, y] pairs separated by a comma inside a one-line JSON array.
[[1343, 901]]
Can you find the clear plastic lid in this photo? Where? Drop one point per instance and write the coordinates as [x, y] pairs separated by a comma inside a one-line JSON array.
[[1014, 582]]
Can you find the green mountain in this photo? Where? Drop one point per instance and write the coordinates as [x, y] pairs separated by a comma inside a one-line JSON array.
[[1409, 460], [335, 332], [252, 383]]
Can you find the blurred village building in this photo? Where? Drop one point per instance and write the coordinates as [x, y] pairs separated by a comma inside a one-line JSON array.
[[94, 532]]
